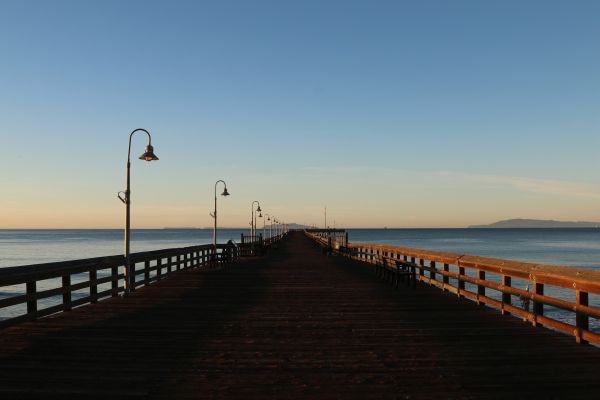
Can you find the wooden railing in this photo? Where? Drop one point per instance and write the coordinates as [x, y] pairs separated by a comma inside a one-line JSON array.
[[470, 276], [98, 277], [255, 245], [333, 238]]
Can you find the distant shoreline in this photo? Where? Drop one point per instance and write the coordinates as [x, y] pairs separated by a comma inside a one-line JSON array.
[[537, 224]]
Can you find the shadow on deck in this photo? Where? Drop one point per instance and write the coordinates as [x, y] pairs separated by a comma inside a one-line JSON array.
[[293, 324]]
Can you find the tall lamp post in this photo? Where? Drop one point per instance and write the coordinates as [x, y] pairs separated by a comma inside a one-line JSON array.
[[214, 215], [268, 218], [252, 226], [256, 217], [125, 197]]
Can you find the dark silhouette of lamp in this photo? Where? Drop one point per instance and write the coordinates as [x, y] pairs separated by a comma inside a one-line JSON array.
[[125, 197]]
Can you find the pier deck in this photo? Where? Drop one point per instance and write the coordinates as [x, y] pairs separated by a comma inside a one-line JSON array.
[[293, 324]]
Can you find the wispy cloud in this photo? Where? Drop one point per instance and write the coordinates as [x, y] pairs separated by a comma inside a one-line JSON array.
[[548, 186]]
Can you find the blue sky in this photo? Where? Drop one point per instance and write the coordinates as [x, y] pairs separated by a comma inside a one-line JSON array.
[[391, 113]]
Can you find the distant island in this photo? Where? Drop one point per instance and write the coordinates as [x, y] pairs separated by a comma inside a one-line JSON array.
[[536, 223]]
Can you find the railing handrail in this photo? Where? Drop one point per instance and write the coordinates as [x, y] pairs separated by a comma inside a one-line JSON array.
[[103, 276], [555, 275], [389, 259], [24, 273]]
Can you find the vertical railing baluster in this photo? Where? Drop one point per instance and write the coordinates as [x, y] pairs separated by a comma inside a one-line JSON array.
[[31, 292], [446, 278], [538, 308], [582, 321], [66, 295], [461, 282], [114, 281], [480, 288], [147, 272], [93, 286], [506, 297]]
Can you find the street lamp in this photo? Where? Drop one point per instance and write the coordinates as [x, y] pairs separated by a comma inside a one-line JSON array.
[[256, 217], [125, 197], [214, 215], [252, 225], [265, 223]]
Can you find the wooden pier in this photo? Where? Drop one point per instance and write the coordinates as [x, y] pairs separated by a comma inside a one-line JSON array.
[[295, 323]]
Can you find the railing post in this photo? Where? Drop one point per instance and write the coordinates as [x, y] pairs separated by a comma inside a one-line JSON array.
[[31, 291], [114, 281], [147, 272], [582, 321], [93, 286], [461, 283], [159, 269], [480, 288], [538, 308], [133, 276], [446, 278], [506, 298], [66, 286]]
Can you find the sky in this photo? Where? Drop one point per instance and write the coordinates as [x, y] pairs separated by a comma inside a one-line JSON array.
[[390, 113]]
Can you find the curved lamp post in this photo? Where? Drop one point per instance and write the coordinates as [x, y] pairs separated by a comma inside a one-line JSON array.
[[256, 217], [125, 197], [214, 215], [252, 224], [268, 218]]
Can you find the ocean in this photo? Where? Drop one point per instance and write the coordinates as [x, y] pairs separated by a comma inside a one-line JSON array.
[[578, 248]]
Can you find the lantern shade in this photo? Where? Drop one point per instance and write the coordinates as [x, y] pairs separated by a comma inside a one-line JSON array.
[[148, 154]]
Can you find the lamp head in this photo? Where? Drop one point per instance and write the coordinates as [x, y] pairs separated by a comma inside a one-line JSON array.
[[148, 154], [225, 192]]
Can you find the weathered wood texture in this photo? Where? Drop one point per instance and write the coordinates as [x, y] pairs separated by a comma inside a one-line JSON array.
[[294, 324], [581, 282], [155, 265]]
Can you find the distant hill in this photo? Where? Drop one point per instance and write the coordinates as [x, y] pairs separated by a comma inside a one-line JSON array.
[[537, 223]]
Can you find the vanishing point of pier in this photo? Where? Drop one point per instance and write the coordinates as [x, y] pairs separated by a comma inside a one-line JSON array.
[[295, 322]]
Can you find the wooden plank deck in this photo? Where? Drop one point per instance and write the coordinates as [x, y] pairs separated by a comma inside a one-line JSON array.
[[293, 324]]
